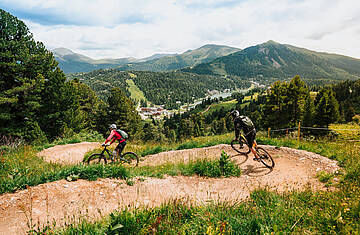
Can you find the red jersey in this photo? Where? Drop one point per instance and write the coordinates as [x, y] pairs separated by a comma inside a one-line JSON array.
[[114, 135]]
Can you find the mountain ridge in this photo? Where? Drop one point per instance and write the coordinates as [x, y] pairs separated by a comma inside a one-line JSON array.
[[272, 59], [71, 62]]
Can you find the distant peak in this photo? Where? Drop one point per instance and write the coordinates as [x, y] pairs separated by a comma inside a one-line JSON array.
[[271, 42], [63, 51]]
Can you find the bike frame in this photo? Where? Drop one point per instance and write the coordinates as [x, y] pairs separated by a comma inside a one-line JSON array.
[[108, 152]]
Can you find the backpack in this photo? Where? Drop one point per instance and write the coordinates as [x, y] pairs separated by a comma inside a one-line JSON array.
[[247, 122], [122, 133]]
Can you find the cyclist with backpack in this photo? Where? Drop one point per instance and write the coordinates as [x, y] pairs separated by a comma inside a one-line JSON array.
[[245, 124], [116, 135]]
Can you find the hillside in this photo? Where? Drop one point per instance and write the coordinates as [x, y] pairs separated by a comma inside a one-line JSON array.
[[160, 87], [203, 54], [274, 60]]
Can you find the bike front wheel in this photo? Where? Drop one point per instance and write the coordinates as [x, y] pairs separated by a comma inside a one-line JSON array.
[[265, 158], [240, 146], [130, 158], [96, 158]]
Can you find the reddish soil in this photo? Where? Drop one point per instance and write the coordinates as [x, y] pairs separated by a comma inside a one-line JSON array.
[[68, 202]]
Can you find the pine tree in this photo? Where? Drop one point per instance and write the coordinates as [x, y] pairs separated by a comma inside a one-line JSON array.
[[121, 111], [327, 108], [309, 112], [35, 98]]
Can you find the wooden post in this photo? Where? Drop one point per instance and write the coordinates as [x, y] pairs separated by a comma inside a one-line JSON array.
[[299, 133], [269, 132]]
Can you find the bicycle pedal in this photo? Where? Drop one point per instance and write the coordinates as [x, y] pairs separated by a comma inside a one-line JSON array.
[[256, 159]]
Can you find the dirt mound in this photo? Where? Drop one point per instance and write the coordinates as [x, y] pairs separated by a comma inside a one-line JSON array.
[[68, 154], [66, 202]]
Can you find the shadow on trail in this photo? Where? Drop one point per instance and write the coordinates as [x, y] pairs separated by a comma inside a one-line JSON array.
[[254, 169], [239, 159]]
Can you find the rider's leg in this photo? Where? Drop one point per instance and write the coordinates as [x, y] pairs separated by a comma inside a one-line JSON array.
[[253, 150], [250, 137], [120, 148]]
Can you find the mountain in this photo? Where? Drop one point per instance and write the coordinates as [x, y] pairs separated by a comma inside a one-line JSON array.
[[203, 54], [274, 60], [71, 62]]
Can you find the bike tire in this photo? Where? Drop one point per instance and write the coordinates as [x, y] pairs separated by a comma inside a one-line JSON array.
[[96, 158], [265, 158], [240, 146], [131, 159]]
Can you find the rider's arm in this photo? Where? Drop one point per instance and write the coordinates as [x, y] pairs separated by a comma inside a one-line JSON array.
[[110, 138]]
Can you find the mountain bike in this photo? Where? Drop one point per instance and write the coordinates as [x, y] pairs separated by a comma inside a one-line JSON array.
[[128, 158], [241, 146]]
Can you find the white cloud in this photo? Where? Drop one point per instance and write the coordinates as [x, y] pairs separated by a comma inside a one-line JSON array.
[[127, 28]]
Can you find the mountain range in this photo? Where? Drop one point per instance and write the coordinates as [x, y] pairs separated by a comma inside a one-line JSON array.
[[71, 62], [281, 61]]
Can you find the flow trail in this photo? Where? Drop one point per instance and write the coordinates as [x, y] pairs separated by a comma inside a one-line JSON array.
[[68, 202]]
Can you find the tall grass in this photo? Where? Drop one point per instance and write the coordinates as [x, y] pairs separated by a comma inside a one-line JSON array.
[[222, 167], [264, 213]]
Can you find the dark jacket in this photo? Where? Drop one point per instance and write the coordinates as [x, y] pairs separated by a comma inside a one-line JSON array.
[[243, 123]]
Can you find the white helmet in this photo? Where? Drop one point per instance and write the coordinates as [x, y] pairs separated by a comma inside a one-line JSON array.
[[112, 126], [234, 113]]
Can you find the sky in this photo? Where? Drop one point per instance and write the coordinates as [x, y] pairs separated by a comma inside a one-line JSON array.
[[141, 28]]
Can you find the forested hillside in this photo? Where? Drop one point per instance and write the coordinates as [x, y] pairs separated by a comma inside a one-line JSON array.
[[274, 60], [282, 106], [161, 88]]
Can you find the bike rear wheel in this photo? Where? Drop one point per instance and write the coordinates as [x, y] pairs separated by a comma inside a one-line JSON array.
[[130, 159], [240, 146], [96, 158], [265, 158]]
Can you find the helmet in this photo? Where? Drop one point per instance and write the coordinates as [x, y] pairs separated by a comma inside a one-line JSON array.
[[112, 126], [234, 113]]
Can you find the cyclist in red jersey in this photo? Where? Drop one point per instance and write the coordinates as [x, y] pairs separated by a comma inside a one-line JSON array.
[[114, 135]]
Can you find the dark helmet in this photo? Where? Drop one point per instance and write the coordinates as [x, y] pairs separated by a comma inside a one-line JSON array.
[[234, 114], [112, 126]]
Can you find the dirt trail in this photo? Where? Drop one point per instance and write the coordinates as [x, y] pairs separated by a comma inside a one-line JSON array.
[[66, 202]]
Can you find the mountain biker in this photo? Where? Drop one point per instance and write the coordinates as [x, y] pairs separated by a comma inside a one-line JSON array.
[[114, 135], [245, 124]]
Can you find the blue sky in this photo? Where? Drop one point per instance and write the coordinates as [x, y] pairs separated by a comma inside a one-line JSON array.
[[140, 28]]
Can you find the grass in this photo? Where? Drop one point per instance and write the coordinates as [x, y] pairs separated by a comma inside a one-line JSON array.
[[89, 136], [348, 131], [204, 167]]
